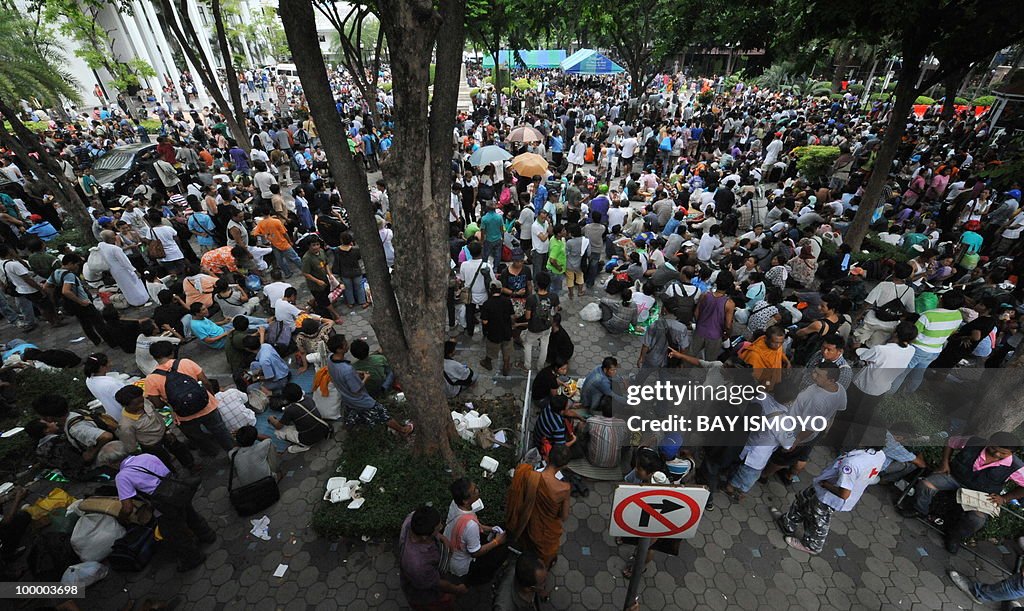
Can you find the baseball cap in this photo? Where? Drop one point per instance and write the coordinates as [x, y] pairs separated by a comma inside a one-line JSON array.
[[670, 444], [518, 255], [103, 220], [35, 218]]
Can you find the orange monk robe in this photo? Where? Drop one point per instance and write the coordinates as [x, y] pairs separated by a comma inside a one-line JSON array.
[[767, 363], [533, 513]]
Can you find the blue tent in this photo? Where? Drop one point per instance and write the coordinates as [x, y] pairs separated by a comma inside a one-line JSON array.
[[589, 61], [541, 58]]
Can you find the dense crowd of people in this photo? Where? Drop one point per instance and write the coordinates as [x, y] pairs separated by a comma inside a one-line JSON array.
[[678, 215]]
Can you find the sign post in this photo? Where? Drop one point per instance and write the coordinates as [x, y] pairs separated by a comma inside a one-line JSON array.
[[654, 512]]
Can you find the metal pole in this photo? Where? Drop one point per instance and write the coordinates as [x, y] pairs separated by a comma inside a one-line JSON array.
[[639, 560]]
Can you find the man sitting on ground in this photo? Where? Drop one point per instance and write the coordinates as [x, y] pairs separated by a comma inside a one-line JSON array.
[[300, 424]]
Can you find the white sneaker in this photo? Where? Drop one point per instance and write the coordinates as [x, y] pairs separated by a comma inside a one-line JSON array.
[[963, 584], [297, 449]]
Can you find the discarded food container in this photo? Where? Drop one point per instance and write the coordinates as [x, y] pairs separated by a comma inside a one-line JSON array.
[[356, 504], [340, 495], [335, 483], [489, 464], [477, 506], [367, 475]]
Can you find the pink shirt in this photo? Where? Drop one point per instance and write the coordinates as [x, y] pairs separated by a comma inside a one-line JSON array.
[[958, 443]]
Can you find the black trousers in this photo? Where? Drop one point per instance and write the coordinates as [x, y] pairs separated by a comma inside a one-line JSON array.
[[182, 530], [168, 446], [91, 320]]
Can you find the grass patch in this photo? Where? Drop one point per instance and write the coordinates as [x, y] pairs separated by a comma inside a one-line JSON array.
[[405, 481], [18, 451]]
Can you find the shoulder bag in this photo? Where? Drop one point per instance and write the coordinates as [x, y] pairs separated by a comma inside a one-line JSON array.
[[252, 498]]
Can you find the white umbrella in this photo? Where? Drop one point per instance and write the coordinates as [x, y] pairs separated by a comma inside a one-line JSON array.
[[486, 155], [525, 133]]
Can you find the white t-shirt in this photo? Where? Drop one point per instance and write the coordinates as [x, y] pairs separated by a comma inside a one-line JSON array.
[[104, 388], [628, 148], [460, 560], [477, 282], [286, 312], [883, 293], [884, 364], [762, 443], [526, 218], [816, 401], [166, 236], [12, 272], [275, 291], [539, 245], [852, 471], [617, 216], [707, 246]]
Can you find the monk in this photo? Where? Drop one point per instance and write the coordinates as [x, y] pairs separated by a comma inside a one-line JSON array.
[[538, 504], [766, 356]]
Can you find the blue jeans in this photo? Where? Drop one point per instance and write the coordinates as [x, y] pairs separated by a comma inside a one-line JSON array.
[[556, 283], [492, 251], [8, 312], [354, 292], [744, 477], [283, 257], [1010, 588], [914, 373]]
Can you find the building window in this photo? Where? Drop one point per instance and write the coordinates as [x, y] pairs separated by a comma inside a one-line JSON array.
[[202, 15], [321, 37]]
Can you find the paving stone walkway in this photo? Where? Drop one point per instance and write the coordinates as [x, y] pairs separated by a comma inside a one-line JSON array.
[[874, 559]]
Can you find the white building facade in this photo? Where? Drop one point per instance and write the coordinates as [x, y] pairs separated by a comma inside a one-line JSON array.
[[143, 34]]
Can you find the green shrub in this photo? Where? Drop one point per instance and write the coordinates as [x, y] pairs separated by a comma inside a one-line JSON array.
[[404, 482], [879, 97], [151, 125], [473, 92], [985, 100], [386, 87], [815, 161], [923, 99], [856, 89], [877, 249], [961, 101], [75, 236], [705, 97], [836, 96]]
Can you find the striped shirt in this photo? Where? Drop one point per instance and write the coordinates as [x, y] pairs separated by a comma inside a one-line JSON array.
[[551, 425], [935, 326]]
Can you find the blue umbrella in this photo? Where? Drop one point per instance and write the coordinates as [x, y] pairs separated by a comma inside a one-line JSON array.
[[486, 155]]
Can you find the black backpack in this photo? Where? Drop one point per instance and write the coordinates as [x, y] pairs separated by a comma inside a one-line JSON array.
[[680, 303], [894, 309], [133, 551], [185, 394], [50, 555]]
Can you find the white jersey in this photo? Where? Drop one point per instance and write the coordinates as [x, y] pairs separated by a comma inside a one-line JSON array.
[[852, 471]]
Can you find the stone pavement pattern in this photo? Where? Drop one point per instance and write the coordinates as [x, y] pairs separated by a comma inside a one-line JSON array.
[[874, 559]]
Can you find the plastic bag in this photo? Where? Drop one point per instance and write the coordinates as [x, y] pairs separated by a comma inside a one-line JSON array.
[[94, 536], [84, 574], [591, 312]]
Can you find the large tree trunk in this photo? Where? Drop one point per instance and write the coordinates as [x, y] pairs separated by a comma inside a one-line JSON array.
[[188, 40], [46, 169], [408, 313], [905, 95], [842, 56], [232, 77], [950, 85]]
